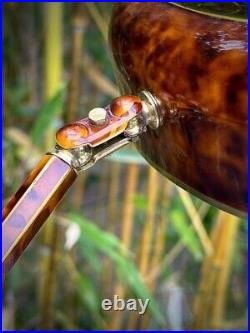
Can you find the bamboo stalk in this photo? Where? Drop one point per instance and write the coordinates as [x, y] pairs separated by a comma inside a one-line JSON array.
[[144, 250], [53, 55], [218, 308], [203, 300], [26, 29], [113, 195], [159, 243], [101, 193], [98, 18], [209, 303], [93, 73], [126, 231], [175, 251], [53, 74], [48, 283], [79, 23], [111, 218], [79, 193], [129, 208], [196, 221], [161, 225], [75, 275], [98, 79], [53, 48]]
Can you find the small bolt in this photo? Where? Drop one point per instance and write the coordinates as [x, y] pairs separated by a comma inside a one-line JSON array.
[[98, 116]]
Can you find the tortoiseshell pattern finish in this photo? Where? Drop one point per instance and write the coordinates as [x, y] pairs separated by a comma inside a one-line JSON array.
[[81, 132], [31, 205], [197, 66]]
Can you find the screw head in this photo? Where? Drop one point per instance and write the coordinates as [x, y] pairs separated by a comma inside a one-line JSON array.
[[98, 116]]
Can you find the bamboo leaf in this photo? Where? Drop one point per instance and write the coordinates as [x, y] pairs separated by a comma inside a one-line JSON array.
[[111, 246], [140, 202], [46, 115], [90, 253], [89, 296], [187, 234], [87, 292]]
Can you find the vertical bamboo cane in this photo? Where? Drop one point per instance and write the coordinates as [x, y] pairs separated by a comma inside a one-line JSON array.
[[146, 244], [126, 232], [129, 208], [101, 192], [111, 219], [209, 302], [53, 76], [201, 301], [159, 243], [99, 19], [113, 195], [218, 308], [196, 221], [79, 22], [146, 239], [53, 57], [26, 28]]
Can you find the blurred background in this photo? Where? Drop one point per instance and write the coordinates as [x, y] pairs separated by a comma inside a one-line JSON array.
[[122, 229]]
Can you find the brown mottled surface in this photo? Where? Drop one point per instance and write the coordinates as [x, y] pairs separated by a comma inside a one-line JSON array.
[[197, 66], [31, 205]]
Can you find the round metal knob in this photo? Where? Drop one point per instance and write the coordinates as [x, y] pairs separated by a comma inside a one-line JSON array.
[[98, 117]]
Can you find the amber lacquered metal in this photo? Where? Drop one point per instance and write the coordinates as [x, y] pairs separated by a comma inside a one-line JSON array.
[[81, 132], [196, 65], [50, 179], [31, 205]]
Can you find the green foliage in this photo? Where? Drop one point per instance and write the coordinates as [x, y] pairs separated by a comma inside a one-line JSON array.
[[112, 247], [187, 235], [89, 296], [140, 202], [96, 46], [23, 111], [46, 116], [180, 224], [16, 96]]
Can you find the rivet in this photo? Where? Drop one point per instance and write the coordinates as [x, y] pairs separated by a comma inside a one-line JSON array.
[[98, 116]]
